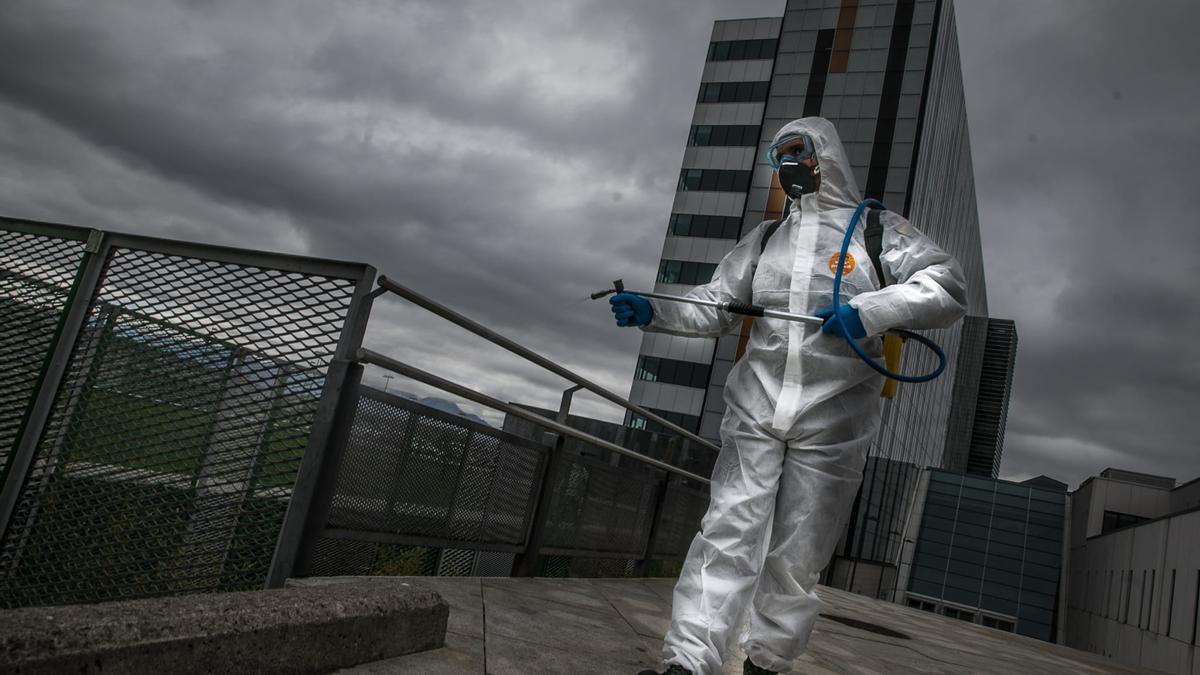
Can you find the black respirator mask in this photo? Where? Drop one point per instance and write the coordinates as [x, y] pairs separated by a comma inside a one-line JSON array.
[[795, 177], [798, 180]]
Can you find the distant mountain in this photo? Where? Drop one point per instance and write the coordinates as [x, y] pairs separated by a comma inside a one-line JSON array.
[[450, 407], [443, 405]]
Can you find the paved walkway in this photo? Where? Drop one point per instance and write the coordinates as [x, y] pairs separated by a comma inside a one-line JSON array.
[[501, 626]]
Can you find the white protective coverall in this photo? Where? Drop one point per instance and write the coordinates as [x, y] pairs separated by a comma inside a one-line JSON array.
[[801, 411]]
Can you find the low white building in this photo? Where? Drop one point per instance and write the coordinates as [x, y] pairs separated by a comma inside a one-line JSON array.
[[1133, 570]]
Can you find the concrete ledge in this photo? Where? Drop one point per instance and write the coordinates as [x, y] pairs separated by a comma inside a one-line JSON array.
[[299, 629]]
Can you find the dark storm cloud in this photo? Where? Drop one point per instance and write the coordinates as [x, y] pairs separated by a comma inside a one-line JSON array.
[[505, 159], [1085, 146], [508, 158]]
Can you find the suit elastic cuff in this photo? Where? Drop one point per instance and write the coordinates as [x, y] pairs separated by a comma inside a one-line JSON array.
[[876, 319]]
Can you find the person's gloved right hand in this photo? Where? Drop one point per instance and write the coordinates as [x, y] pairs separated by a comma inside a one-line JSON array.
[[631, 309], [846, 315]]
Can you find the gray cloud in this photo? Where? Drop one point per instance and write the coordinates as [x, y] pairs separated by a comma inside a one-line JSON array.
[[1084, 146], [509, 158], [503, 159]]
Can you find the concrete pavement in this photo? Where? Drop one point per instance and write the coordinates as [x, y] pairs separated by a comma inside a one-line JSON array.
[[503, 626]]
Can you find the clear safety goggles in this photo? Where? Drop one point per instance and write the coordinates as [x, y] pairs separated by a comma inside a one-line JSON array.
[[793, 150]]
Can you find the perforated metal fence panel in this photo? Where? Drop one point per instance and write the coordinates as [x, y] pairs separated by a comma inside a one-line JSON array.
[[456, 562], [37, 273], [349, 557], [493, 564], [679, 518], [169, 456], [598, 509], [416, 475], [413, 477]]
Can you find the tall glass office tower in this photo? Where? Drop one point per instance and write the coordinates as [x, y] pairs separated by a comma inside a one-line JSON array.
[[982, 386], [887, 74]]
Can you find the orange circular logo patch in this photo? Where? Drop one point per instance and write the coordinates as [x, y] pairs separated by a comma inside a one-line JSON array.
[[846, 269]]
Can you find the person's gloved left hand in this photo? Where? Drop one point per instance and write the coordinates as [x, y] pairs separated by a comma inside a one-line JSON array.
[[848, 316], [631, 309]]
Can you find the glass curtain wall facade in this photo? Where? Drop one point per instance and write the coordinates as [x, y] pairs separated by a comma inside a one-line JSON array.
[[887, 74], [932, 179], [990, 552], [708, 215], [982, 386]]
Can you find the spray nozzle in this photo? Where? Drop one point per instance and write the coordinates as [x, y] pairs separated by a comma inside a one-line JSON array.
[[618, 287]]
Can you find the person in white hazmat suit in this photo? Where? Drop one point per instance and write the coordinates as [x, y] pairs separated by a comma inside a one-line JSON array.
[[801, 407]]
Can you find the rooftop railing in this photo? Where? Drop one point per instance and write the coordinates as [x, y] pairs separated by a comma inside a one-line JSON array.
[[644, 507], [179, 418]]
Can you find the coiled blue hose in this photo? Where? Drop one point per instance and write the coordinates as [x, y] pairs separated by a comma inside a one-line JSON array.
[[837, 302]]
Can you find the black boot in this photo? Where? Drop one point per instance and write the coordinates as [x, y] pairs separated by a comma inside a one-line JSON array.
[[673, 669], [748, 668]]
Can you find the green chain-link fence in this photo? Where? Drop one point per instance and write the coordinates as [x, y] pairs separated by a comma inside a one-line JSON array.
[[177, 411]]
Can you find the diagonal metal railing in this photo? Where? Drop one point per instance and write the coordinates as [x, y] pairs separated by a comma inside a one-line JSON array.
[[401, 368], [401, 476], [492, 336]]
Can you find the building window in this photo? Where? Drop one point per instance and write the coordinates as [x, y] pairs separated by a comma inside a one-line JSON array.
[[999, 624], [917, 603], [1170, 603], [1114, 520], [1108, 589], [671, 371], [736, 50], [740, 135], [700, 225], [689, 422], [713, 180], [1196, 609], [685, 272], [1128, 596], [959, 614], [733, 92]]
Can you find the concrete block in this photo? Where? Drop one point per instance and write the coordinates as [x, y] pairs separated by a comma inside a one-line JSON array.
[[308, 629]]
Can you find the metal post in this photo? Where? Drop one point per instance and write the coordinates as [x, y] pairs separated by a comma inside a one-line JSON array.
[[225, 478], [526, 564], [458, 478], [87, 353], [660, 498], [341, 383], [92, 265], [322, 496], [393, 495]]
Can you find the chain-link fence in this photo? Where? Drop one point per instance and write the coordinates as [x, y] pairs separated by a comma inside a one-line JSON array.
[[37, 275], [175, 413]]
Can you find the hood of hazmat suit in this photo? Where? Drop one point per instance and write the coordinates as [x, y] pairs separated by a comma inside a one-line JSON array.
[[801, 411]]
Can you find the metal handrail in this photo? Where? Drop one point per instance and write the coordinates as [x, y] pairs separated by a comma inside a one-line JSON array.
[[529, 355], [401, 368]]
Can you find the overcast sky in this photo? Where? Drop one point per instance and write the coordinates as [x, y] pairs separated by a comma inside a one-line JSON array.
[[508, 158]]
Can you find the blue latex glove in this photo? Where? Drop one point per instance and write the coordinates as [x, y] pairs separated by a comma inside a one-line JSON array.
[[848, 316], [631, 309]]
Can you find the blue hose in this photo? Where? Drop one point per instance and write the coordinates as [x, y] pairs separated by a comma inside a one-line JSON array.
[[837, 302]]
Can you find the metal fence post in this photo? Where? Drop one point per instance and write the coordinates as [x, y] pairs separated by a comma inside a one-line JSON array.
[[660, 498], [91, 271], [321, 501], [526, 564], [88, 349], [340, 392]]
